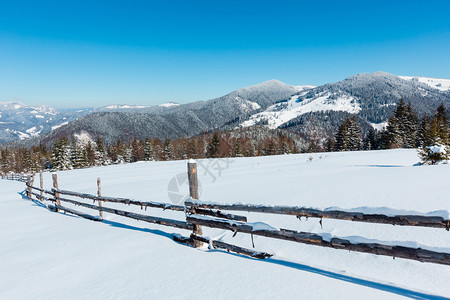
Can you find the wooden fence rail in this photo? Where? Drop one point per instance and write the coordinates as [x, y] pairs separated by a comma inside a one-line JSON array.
[[402, 220], [200, 214], [315, 239], [17, 177]]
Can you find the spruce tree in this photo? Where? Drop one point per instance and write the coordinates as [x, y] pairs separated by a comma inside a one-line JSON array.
[[167, 150], [393, 137], [354, 134], [436, 150], [402, 127], [410, 127], [371, 142], [214, 146], [343, 136], [148, 150], [100, 154], [424, 133], [442, 124]]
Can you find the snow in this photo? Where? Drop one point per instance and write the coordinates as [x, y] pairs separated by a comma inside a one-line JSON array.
[[39, 117], [22, 135], [57, 126], [379, 126], [280, 113], [83, 138], [52, 255], [304, 87], [437, 83], [33, 131], [255, 105], [169, 104], [116, 106], [438, 149]]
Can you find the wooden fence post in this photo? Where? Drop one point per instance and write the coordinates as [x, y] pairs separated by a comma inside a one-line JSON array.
[[41, 184], [28, 187], [99, 194], [193, 192], [32, 178], [31, 184], [55, 186]]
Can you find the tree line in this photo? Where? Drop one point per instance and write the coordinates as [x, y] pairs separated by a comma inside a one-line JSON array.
[[68, 153], [404, 130]]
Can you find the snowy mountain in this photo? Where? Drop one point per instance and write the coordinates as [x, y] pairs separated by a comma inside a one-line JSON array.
[[172, 120], [307, 110], [169, 104], [373, 97], [19, 121]]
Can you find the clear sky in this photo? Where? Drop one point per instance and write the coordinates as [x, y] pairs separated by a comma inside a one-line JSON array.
[[93, 53]]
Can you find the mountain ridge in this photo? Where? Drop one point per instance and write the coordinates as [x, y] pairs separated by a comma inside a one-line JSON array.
[[272, 103]]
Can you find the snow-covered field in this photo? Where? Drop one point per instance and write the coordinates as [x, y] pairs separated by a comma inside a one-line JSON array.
[[437, 83], [46, 255]]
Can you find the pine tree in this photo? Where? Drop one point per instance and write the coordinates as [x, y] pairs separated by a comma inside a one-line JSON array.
[[436, 150], [442, 124], [393, 137], [410, 127], [355, 134], [402, 128], [424, 133], [148, 150], [167, 150], [100, 154], [62, 154], [371, 142], [342, 136], [213, 146]]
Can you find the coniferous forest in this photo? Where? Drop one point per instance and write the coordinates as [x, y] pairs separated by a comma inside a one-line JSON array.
[[67, 154]]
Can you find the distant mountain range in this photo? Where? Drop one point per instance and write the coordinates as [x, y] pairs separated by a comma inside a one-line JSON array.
[[372, 97], [303, 109]]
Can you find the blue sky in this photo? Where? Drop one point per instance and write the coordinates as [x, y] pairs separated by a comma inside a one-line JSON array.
[[93, 53]]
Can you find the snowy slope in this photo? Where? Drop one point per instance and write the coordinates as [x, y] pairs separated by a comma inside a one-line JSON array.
[[49, 255], [372, 96], [437, 83], [282, 112]]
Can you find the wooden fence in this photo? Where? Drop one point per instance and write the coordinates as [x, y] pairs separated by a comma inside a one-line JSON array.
[[17, 177], [211, 215]]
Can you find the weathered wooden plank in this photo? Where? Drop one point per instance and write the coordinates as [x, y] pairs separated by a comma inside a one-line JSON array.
[[418, 254], [164, 206], [220, 245], [402, 220], [193, 192], [42, 190], [55, 187], [231, 247], [39, 197], [216, 213], [99, 194], [41, 183], [77, 213], [149, 219]]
